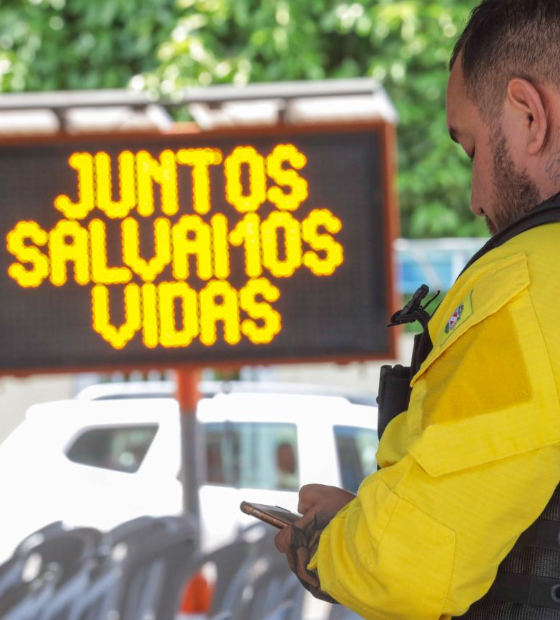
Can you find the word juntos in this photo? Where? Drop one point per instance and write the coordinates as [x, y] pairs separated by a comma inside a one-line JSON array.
[[150, 226]]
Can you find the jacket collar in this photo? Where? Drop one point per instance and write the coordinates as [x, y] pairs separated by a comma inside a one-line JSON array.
[[547, 212]]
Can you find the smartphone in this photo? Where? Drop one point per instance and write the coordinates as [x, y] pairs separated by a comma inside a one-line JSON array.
[[273, 515]]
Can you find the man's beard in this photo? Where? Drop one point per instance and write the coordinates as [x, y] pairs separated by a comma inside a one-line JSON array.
[[514, 193]]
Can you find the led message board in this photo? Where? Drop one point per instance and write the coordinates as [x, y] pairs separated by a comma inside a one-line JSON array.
[[165, 250]]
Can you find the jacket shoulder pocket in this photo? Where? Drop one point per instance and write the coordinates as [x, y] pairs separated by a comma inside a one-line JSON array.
[[487, 390], [477, 298]]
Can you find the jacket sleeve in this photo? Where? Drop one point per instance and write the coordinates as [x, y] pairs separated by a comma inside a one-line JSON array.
[[426, 534]]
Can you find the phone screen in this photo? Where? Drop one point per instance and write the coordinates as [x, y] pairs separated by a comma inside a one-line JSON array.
[[274, 515]]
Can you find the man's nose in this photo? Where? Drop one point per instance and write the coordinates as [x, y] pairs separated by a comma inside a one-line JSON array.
[[475, 206]]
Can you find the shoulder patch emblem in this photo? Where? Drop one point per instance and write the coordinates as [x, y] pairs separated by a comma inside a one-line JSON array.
[[459, 316], [455, 318]]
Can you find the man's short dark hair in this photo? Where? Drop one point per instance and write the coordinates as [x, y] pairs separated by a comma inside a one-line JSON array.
[[505, 39]]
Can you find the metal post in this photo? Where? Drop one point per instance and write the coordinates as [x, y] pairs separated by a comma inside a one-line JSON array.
[[188, 396]]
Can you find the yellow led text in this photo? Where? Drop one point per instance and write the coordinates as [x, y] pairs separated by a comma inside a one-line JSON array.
[[191, 248], [172, 314], [143, 232], [134, 181]]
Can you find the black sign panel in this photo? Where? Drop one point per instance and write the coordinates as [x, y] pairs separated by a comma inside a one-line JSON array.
[[165, 250]]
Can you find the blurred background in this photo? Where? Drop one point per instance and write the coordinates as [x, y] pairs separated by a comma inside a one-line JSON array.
[[115, 450], [165, 46]]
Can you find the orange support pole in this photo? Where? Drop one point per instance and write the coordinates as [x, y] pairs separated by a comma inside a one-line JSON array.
[[187, 381]]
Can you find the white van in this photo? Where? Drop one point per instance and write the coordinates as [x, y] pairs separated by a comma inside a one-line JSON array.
[[103, 461]]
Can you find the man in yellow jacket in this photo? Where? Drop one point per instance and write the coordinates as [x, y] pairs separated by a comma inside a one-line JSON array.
[[475, 459]]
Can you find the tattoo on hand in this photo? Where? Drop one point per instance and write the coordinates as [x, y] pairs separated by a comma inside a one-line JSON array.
[[303, 545]]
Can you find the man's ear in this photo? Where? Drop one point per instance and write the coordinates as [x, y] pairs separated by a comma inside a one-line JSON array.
[[528, 108]]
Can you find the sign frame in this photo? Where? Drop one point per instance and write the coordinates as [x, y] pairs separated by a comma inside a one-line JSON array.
[[387, 133]]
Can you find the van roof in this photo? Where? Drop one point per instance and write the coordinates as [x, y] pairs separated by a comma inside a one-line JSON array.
[[209, 389]]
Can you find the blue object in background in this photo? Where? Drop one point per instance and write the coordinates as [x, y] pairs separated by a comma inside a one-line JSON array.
[[435, 262]]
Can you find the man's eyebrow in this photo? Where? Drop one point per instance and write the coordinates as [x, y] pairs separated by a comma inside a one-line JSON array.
[[453, 133]]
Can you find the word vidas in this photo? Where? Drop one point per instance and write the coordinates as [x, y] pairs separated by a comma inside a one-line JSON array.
[[171, 270]]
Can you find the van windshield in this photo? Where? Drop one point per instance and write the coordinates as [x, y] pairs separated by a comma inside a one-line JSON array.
[[252, 455]]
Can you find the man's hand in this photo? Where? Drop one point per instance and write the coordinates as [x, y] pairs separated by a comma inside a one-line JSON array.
[[318, 504], [319, 498]]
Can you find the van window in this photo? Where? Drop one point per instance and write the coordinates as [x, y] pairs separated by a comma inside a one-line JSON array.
[[356, 450], [119, 448], [252, 455]]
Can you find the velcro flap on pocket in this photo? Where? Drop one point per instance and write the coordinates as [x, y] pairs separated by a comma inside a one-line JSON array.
[[486, 294]]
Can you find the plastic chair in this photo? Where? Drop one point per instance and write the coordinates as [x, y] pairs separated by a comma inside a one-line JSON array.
[[268, 581], [75, 576], [11, 570], [154, 572], [46, 567], [231, 567], [139, 572], [26, 601], [101, 593], [96, 600], [270, 584]]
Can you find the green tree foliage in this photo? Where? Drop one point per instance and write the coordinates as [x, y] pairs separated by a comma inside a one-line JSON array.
[[167, 45], [80, 44]]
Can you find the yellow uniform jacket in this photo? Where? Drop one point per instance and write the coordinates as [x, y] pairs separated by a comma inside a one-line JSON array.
[[474, 460]]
